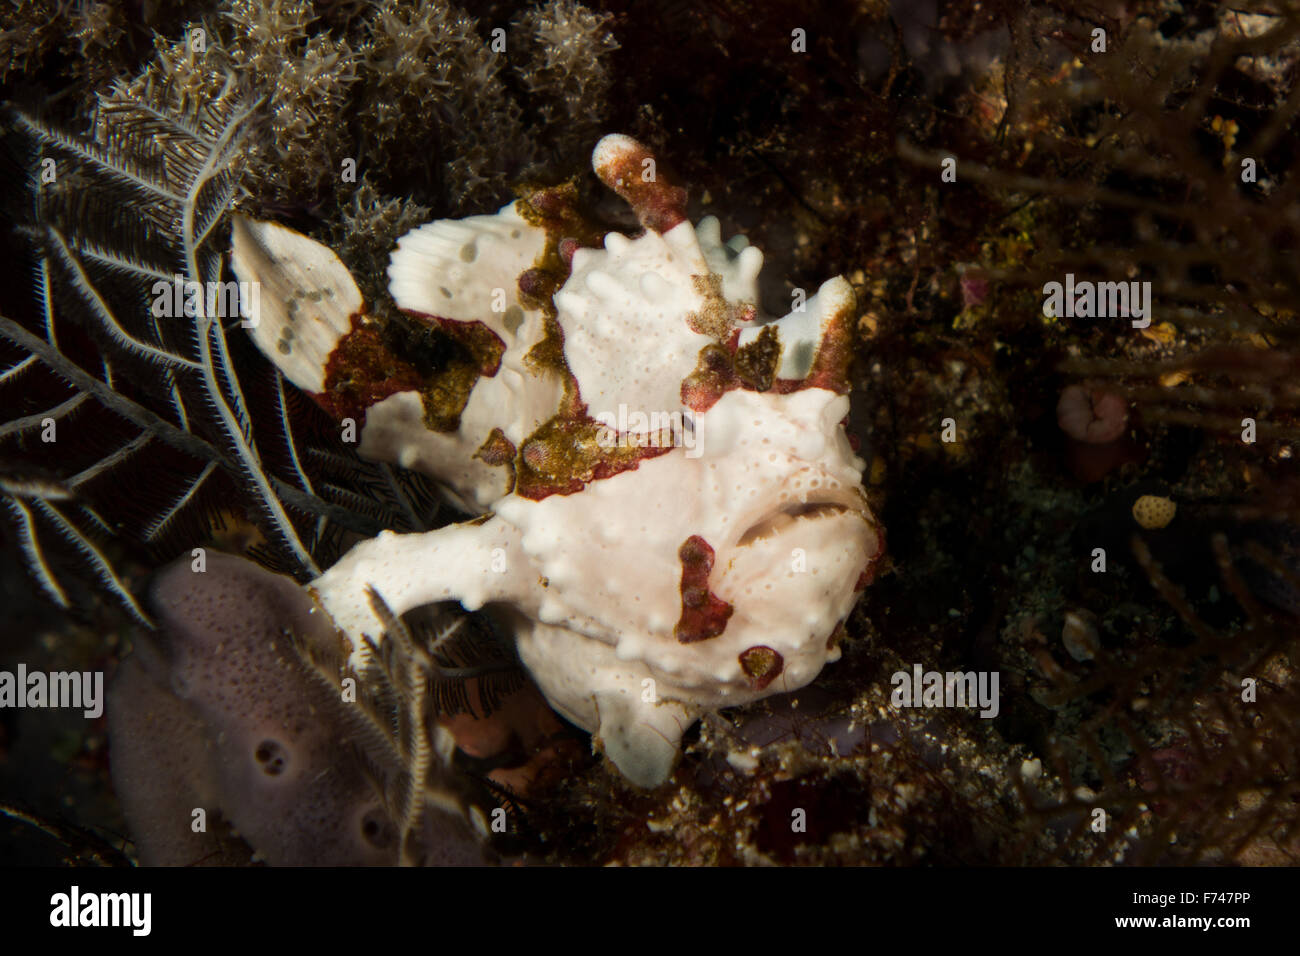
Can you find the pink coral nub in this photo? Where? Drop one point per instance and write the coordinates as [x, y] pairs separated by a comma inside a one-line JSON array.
[[1091, 415]]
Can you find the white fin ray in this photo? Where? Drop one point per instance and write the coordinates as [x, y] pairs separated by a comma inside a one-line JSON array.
[[467, 269], [305, 301]]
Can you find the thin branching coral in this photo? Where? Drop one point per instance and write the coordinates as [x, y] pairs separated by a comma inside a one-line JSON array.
[[136, 327], [565, 69], [302, 79], [87, 31], [438, 110], [369, 226]]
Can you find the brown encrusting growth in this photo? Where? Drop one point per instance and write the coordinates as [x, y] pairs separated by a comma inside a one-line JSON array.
[[704, 614], [362, 371], [497, 450], [555, 209], [730, 365], [718, 317], [483, 346], [713, 377], [631, 171], [380, 358], [565, 454], [761, 665], [756, 363]]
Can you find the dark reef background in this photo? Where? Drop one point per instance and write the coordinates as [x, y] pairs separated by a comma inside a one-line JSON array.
[[821, 133]]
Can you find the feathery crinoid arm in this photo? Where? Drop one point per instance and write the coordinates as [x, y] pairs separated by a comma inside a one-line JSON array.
[[132, 406]]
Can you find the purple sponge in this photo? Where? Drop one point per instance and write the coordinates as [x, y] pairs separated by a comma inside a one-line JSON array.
[[216, 712]]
